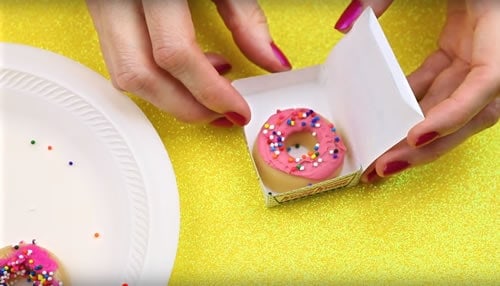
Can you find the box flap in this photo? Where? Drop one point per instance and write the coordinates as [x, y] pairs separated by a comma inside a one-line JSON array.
[[368, 92]]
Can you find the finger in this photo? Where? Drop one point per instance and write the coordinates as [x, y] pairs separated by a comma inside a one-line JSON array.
[[403, 156], [444, 84], [422, 78], [480, 87], [129, 60], [175, 50], [248, 25], [221, 65], [354, 10]]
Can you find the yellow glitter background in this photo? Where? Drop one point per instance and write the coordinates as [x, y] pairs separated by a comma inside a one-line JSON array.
[[433, 224]]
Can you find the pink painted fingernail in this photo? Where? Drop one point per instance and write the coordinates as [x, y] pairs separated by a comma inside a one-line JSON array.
[[426, 138], [236, 118], [395, 167], [223, 68], [222, 122], [281, 57], [351, 13], [372, 176]]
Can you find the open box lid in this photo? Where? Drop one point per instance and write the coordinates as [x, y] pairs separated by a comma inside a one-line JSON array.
[[360, 88]]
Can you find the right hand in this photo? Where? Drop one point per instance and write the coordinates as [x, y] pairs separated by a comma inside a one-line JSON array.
[[150, 50]]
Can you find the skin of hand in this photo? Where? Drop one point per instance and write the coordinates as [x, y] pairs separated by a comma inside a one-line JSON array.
[[150, 49], [457, 86]]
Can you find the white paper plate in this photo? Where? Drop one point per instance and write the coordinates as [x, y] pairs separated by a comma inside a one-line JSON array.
[[120, 185]]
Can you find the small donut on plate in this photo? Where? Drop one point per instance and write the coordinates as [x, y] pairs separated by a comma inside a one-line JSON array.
[[31, 263], [297, 147]]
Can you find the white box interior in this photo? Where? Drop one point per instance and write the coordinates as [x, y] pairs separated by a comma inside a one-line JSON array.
[[360, 88]]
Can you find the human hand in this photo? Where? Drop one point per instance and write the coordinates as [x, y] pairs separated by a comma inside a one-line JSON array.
[[150, 50], [458, 88]]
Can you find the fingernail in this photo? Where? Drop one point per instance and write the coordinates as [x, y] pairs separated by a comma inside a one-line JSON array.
[[395, 167], [223, 68], [222, 122], [236, 118], [372, 176], [351, 13], [281, 57], [426, 138]]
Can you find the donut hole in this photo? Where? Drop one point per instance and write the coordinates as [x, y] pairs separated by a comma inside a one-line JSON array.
[[300, 143]]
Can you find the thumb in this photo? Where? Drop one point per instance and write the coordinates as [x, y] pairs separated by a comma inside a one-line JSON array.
[[355, 8]]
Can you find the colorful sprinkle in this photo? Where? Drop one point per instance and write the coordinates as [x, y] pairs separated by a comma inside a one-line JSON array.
[[297, 121], [33, 142], [70, 163], [28, 261]]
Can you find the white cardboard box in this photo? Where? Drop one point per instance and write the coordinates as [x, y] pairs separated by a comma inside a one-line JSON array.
[[360, 88]]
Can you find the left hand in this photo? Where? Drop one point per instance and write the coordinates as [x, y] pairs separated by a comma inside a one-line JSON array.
[[458, 88]]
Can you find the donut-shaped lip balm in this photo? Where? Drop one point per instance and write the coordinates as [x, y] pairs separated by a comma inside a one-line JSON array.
[[31, 262], [290, 130]]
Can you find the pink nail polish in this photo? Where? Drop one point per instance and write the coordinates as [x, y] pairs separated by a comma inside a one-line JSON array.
[[222, 122], [223, 68], [372, 176], [425, 138], [236, 118], [350, 14], [395, 167], [281, 57]]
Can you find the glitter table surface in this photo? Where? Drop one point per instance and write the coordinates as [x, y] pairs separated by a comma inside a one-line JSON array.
[[434, 224]]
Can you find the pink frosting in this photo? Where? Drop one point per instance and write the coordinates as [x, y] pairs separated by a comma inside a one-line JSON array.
[[325, 159], [31, 262]]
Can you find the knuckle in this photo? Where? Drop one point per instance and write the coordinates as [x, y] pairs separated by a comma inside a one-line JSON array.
[[208, 94], [131, 79], [173, 57], [257, 16], [254, 17]]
